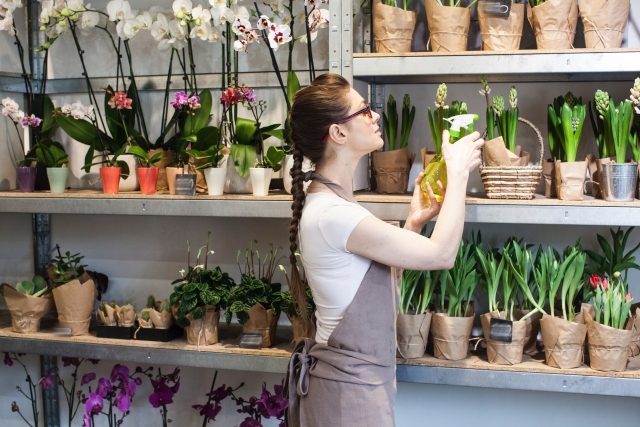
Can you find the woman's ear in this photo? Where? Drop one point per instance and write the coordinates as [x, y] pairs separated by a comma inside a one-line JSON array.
[[336, 134]]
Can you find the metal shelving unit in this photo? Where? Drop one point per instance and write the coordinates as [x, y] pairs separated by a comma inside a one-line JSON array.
[[478, 210]]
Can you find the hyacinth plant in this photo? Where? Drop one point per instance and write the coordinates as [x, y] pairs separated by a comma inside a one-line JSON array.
[[270, 405], [33, 385], [634, 138], [416, 290], [455, 3], [442, 111], [565, 120], [390, 122], [612, 300], [458, 284], [111, 397], [506, 119], [612, 125], [612, 257], [212, 407]]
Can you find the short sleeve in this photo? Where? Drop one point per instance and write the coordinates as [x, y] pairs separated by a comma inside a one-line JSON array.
[[338, 221]]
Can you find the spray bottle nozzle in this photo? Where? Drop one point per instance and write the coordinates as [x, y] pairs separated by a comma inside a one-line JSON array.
[[459, 123]]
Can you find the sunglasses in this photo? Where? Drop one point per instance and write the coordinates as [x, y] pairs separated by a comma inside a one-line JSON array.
[[366, 111]]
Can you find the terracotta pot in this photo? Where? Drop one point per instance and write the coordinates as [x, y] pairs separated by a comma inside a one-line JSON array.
[[171, 177], [148, 178], [110, 176]]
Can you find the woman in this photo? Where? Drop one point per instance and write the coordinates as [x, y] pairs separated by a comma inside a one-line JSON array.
[[346, 375]]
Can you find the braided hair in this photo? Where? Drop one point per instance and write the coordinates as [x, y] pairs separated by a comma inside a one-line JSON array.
[[315, 108]]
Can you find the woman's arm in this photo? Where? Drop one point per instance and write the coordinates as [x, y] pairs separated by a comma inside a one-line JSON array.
[[406, 248]]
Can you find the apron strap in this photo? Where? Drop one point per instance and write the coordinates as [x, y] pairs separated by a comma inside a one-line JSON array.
[[297, 380], [336, 188]]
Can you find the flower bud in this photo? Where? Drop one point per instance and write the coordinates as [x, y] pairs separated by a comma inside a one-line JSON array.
[[616, 274], [66, 12], [180, 14]]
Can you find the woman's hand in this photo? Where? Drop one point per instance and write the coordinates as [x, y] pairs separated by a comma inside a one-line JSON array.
[[422, 210], [463, 156]]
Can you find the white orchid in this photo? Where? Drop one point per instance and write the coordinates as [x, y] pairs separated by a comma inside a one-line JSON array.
[[78, 111], [221, 15], [202, 32], [181, 8], [278, 35], [241, 26], [263, 22], [318, 18], [10, 5], [9, 107], [240, 45], [119, 10], [160, 28], [89, 19], [200, 15], [6, 24]]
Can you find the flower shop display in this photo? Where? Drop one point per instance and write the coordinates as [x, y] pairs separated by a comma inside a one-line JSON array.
[[74, 291], [609, 337], [254, 300], [612, 126], [501, 31], [452, 323], [554, 22], [604, 22], [559, 276], [28, 303], [439, 120], [448, 22], [198, 296], [565, 120], [391, 167], [393, 26], [414, 318], [505, 169]]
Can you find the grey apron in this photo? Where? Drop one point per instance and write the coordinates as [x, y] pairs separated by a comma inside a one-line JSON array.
[[350, 381]]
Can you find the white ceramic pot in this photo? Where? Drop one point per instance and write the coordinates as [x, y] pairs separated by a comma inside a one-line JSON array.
[[131, 183], [216, 178], [78, 178], [260, 180]]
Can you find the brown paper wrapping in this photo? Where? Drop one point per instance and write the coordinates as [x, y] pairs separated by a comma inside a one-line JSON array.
[[203, 331], [563, 342], [604, 22], [448, 27], [301, 329], [549, 174], [497, 154], [145, 323], [392, 28], [570, 178], [554, 23], [597, 175], [168, 158], [502, 353], [125, 315], [74, 303], [161, 320], [413, 334], [261, 321], [502, 33], [26, 310], [533, 327], [607, 346], [391, 169], [450, 336], [108, 316], [634, 325]]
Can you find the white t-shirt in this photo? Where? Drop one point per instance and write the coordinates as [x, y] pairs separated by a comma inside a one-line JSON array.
[[334, 274]]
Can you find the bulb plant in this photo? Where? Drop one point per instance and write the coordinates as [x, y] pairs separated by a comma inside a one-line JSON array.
[[442, 111], [394, 3], [458, 284], [507, 118], [417, 290], [612, 126], [565, 120], [455, 3], [390, 122], [612, 300]]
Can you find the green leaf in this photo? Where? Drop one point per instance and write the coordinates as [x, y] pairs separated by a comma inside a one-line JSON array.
[[245, 131], [49, 121], [80, 130], [25, 287], [274, 157], [206, 137], [244, 157], [198, 120], [293, 85]]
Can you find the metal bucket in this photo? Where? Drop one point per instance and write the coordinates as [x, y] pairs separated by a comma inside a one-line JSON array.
[[619, 181]]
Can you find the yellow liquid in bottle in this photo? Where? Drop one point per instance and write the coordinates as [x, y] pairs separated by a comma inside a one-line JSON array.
[[436, 170]]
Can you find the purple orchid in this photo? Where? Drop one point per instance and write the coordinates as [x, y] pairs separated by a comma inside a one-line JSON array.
[[67, 361], [94, 404], [272, 405], [180, 99], [48, 380], [87, 378], [120, 373], [250, 422], [123, 402], [210, 410], [104, 387]]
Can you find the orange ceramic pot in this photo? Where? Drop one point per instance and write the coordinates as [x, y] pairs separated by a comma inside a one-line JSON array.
[[148, 178], [110, 176]]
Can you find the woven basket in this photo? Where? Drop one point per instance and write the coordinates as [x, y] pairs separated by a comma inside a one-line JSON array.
[[513, 182]]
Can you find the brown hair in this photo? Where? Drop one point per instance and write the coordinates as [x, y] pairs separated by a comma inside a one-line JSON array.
[[315, 108]]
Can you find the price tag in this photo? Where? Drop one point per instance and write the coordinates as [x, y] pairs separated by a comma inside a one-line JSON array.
[[251, 341], [501, 330], [495, 7]]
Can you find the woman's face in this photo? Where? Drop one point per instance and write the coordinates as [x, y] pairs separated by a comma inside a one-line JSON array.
[[364, 134]]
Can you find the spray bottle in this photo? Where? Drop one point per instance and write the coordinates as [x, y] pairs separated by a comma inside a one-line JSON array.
[[436, 169]]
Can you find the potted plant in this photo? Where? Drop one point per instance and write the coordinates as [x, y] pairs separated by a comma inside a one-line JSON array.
[[210, 155], [198, 296], [612, 126], [414, 318], [554, 22], [28, 303], [566, 118], [500, 28], [391, 167], [156, 314], [53, 156], [451, 325], [74, 291], [302, 328], [254, 300], [560, 276], [146, 171], [604, 22], [393, 26], [448, 22], [608, 335]]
